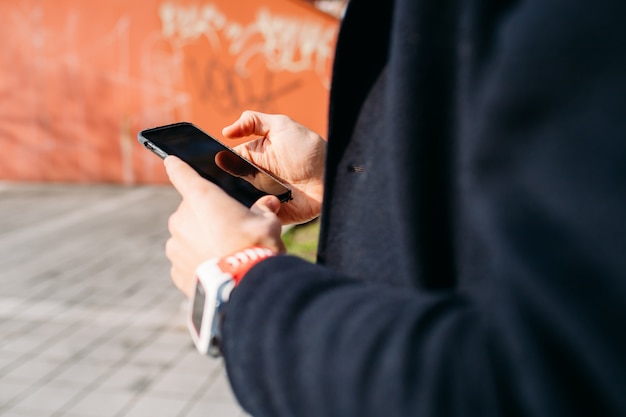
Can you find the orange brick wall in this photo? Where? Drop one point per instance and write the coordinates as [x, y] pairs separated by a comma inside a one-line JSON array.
[[79, 79]]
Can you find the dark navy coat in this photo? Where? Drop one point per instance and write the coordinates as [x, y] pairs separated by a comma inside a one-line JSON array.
[[473, 250]]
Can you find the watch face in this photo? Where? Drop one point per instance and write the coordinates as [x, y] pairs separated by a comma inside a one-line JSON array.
[[198, 309]]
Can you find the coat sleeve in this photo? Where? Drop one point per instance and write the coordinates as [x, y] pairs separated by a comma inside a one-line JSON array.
[[300, 340]]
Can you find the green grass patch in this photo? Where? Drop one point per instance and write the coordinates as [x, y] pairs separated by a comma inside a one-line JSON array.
[[301, 240]]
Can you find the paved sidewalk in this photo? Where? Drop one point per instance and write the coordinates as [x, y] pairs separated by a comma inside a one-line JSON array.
[[90, 324]]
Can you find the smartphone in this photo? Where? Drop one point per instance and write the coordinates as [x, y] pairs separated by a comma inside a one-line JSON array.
[[201, 151]]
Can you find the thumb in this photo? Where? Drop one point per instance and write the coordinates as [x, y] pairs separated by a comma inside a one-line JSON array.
[[183, 177], [266, 204]]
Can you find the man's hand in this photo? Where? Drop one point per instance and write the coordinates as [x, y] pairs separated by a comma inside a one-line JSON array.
[[289, 151], [210, 224]]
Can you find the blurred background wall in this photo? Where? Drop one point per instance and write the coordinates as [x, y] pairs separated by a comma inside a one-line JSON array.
[[79, 79]]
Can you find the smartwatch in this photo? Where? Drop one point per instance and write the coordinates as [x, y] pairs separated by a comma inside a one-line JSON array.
[[215, 279]]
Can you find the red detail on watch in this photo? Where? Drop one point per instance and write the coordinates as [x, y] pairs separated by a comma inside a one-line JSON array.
[[242, 261]]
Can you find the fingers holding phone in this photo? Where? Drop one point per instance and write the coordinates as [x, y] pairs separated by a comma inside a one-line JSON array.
[[287, 161], [200, 151], [210, 224], [289, 150]]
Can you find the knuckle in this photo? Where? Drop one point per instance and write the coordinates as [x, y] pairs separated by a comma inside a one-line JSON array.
[[248, 114], [172, 222], [170, 248]]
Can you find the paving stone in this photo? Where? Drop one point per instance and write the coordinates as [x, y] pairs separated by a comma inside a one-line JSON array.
[[101, 404], [157, 406], [46, 398], [131, 378], [79, 374], [10, 389], [35, 370], [204, 409], [92, 325]]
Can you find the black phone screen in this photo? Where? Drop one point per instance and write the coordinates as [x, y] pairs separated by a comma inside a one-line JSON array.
[[199, 150]]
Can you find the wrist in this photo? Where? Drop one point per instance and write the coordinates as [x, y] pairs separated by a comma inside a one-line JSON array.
[[240, 262], [215, 279]]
